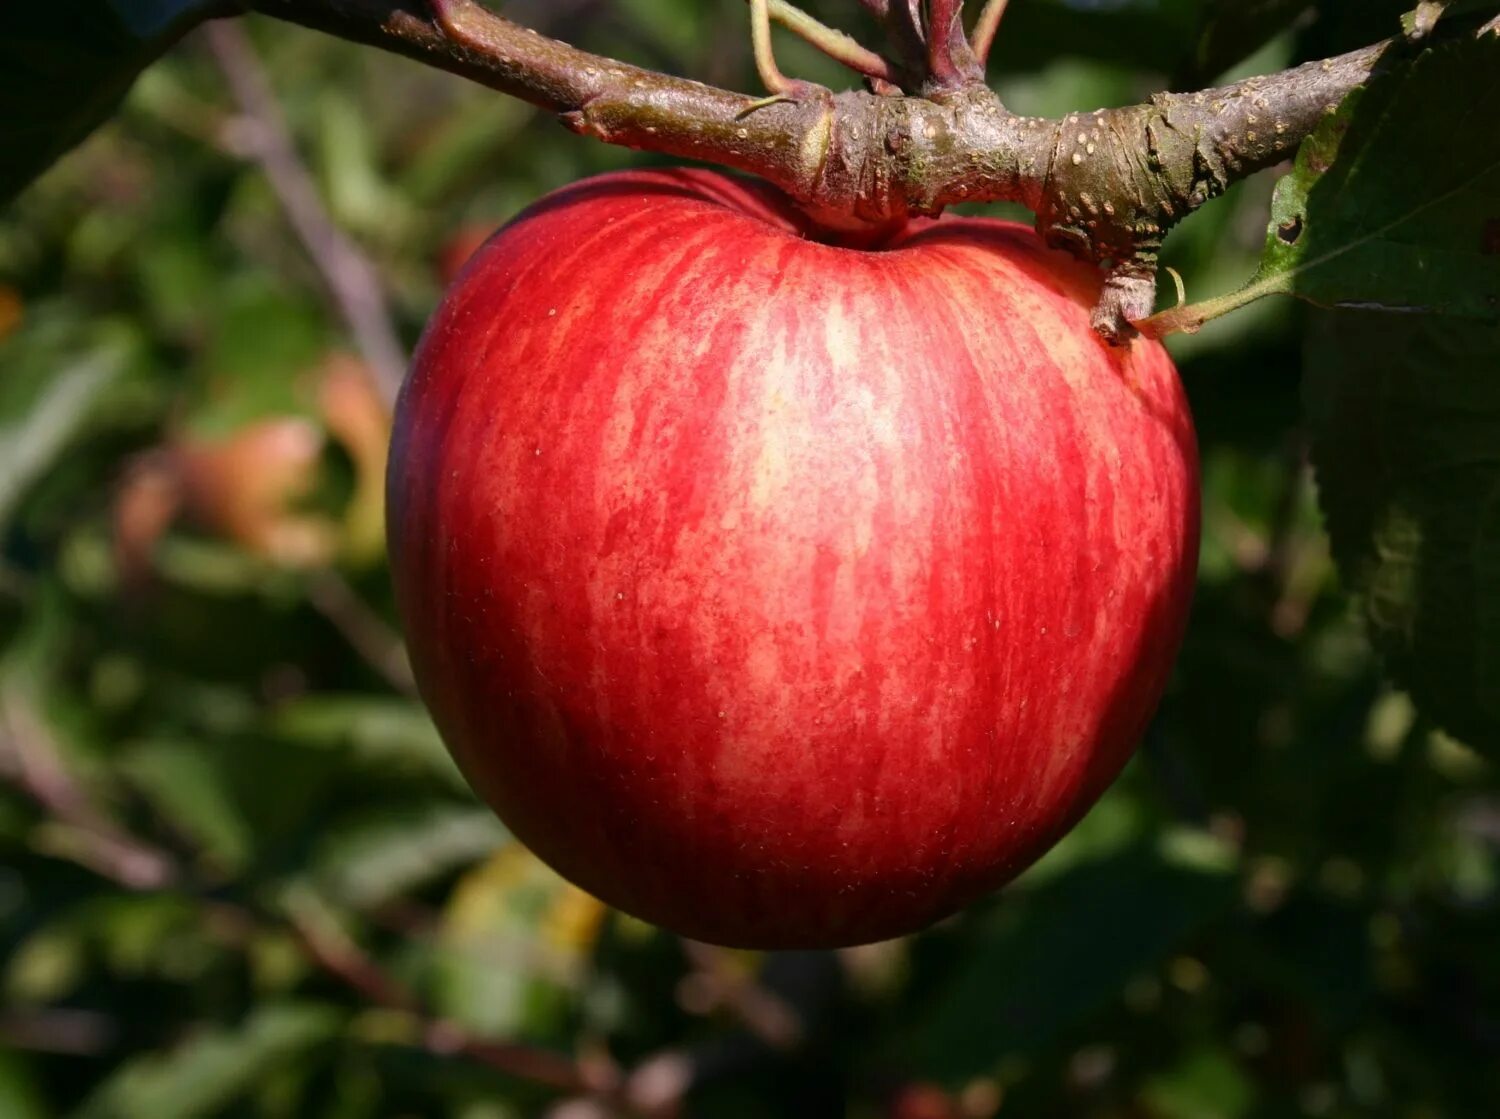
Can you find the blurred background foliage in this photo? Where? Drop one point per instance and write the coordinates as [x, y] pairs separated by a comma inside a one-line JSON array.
[[240, 876]]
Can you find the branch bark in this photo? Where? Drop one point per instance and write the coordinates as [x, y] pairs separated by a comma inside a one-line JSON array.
[[1105, 186]]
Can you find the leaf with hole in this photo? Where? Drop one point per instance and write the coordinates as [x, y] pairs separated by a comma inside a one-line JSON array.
[[1394, 202]]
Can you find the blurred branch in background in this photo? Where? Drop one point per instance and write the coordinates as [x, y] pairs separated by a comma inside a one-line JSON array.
[[30, 759], [366, 631], [261, 133], [76, 830]]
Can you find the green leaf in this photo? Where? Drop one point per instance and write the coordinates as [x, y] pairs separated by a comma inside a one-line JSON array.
[[1394, 202], [1231, 30], [214, 1068], [19, 1096], [1404, 413], [1150, 33], [51, 388], [379, 855], [64, 67], [379, 732], [1207, 1084], [1048, 959], [515, 946], [187, 785]]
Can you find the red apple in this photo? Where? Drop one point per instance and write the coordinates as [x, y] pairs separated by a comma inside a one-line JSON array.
[[781, 593]]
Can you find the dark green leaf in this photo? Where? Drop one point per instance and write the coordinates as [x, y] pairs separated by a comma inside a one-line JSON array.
[[65, 65], [53, 384], [1395, 201], [1048, 959], [1405, 419], [1207, 1084], [19, 1096], [381, 733], [1232, 30], [214, 1068], [376, 856], [187, 784]]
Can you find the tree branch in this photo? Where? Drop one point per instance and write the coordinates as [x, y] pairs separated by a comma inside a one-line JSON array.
[[351, 278], [1106, 186]]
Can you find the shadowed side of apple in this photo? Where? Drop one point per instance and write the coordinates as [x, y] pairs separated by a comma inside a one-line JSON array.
[[781, 593]]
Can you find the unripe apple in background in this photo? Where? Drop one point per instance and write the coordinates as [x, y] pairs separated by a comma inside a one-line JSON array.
[[780, 593]]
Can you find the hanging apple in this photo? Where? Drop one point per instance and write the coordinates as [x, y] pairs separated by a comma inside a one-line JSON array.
[[778, 592]]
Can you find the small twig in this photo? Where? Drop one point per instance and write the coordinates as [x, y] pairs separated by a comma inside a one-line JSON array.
[[834, 43], [335, 952], [351, 278], [365, 630], [951, 63], [765, 57], [765, 1014], [73, 1033], [986, 26], [31, 759]]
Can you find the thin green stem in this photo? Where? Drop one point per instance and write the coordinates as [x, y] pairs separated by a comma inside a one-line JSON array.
[[985, 27], [834, 43], [765, 57]]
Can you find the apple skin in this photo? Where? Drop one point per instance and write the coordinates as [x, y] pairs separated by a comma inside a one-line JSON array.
[[780, 593]]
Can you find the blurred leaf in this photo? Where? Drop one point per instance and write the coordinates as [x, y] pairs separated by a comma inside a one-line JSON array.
[[186, 785], [359, 419], [1150, 34], [391, 735], [265, 339], [64, 66], [1207, 1084], [382, 854], [1395, 199], [19, 1097], [51, 388], [515, 946], [1116, 823], [1231, 30], [1318, 949], [204, 1074], [47, 966], [1405, 419], [1045, 960]]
